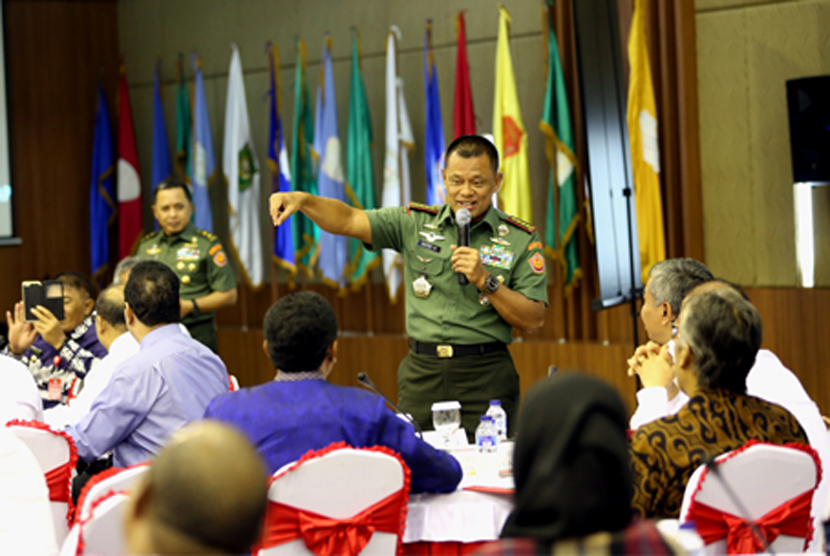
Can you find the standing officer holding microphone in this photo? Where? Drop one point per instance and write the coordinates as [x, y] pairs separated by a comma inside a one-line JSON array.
[[458, 333]]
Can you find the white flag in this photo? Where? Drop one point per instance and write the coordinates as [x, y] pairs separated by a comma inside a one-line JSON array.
[[242, 174], [399, 141]]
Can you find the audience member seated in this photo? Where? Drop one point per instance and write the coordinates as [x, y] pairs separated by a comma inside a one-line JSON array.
[[573, 480], [58, 352], [19, 397], [205, 493], [167, 384], [299, 410], [111, 328], [718, 339], [122, 270], [25, 515], [669, 282]]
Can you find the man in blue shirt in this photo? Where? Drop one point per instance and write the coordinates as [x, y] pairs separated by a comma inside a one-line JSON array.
[[167, 384], [299, 411]]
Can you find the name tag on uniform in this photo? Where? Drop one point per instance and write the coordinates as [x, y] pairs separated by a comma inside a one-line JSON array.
[[55, 390], [429, 246]]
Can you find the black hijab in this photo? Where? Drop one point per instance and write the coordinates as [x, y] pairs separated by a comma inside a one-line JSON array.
[[571, 462]]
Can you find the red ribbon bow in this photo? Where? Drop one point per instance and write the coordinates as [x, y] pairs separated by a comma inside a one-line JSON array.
[[326, 536], [790, 518]]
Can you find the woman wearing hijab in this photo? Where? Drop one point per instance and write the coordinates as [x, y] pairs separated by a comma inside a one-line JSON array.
[[573, 481]]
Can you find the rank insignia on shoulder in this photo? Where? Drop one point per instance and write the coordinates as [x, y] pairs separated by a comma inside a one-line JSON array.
[[521, 224], [214, 249], [420, 207], [537, 263], [206, 234]]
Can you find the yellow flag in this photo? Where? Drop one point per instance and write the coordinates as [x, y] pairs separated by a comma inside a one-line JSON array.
[[509, 132], [645, 153]]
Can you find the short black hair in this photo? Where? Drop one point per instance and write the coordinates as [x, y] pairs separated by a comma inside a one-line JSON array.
[[299, 329], [469, 146], [110, 306], [77, 281], [153, 293], [173, 184]]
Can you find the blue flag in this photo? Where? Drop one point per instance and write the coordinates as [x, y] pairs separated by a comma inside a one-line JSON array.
[[162, 167], [278, 164], [330, 179], [434, 132], [102, 207], [204, 164]]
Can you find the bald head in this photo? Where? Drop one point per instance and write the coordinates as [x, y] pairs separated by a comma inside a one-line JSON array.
[[206, 491]]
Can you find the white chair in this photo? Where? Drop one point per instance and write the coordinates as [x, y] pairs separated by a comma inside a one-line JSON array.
[[766, 479], [318, 503], [102, 531], [56, 455], [99, 487]]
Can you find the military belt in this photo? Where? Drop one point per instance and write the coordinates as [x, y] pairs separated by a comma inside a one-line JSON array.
[[446, 351]]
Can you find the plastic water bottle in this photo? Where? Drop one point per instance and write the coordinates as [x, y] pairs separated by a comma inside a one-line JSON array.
[[499, 419], [486, 438]]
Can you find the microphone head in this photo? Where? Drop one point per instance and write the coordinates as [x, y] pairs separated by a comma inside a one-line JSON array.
[[362, 377], [463, 217]]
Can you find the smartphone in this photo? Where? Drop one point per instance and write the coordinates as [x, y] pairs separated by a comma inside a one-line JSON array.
[[48, 293]]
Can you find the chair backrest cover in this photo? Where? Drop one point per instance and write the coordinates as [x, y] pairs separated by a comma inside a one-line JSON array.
[[56, 455], [338, 500], [233, 383], [102, 531], [773, 483], [111, 480]]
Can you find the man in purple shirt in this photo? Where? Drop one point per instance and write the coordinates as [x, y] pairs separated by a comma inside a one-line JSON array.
[[299, 411], [167, 384]]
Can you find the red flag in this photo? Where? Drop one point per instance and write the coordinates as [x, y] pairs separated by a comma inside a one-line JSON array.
[[129, 181], [463, 118]]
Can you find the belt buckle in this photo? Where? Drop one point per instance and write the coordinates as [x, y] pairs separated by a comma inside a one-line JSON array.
[[444, 351]]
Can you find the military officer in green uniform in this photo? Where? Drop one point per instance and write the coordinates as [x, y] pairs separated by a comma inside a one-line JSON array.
[[458, 334], [206, 280]]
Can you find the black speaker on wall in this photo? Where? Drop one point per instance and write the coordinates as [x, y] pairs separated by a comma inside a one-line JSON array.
[[808, 103]]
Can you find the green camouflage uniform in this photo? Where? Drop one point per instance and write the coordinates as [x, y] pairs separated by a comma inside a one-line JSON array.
[[200, 262], [440, 311]]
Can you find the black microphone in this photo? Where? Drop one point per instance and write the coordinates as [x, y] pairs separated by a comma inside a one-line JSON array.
[[714, 466], [463, 219], [364, 379]]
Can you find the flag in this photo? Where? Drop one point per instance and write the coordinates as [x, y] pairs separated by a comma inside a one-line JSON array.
[[162, 168], [330, 180], [102, 208], [509, 131], [241, 167], [203, 163], [305, 232], [360, 182], [129, 181], [184, 125], [399, 141], [434, 132], [283, 254], [464, 118], [645, 154], [559, 147]]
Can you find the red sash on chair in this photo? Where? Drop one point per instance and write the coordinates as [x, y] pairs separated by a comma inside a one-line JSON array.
[[325, 535], [790, 518]]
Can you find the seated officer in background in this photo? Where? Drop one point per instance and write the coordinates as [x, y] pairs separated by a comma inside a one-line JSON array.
[[58, 353], [196, 256]]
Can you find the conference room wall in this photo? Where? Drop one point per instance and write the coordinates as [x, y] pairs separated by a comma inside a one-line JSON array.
[[746, 50]]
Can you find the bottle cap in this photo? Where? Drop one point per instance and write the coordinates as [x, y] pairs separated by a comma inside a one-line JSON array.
[[445, 406], [495, 402]]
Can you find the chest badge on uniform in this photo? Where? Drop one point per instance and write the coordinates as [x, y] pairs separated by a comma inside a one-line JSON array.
[[436, 227], [424, 260], [154, 250], [421, 287], [431, 237], [500, 241], [188, 252], [497, 256], [503, 230]]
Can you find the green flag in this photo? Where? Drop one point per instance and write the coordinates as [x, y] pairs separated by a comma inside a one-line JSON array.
[[306, 234], [560, 239], [184, 126], [360, 183]]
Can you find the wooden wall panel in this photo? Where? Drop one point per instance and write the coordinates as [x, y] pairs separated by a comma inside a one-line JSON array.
[[56, 51]]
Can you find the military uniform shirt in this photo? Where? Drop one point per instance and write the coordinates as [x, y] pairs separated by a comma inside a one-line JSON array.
[[509, 249], [197, 258]]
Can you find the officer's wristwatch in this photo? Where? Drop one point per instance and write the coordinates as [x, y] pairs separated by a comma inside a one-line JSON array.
[[491, 284]]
